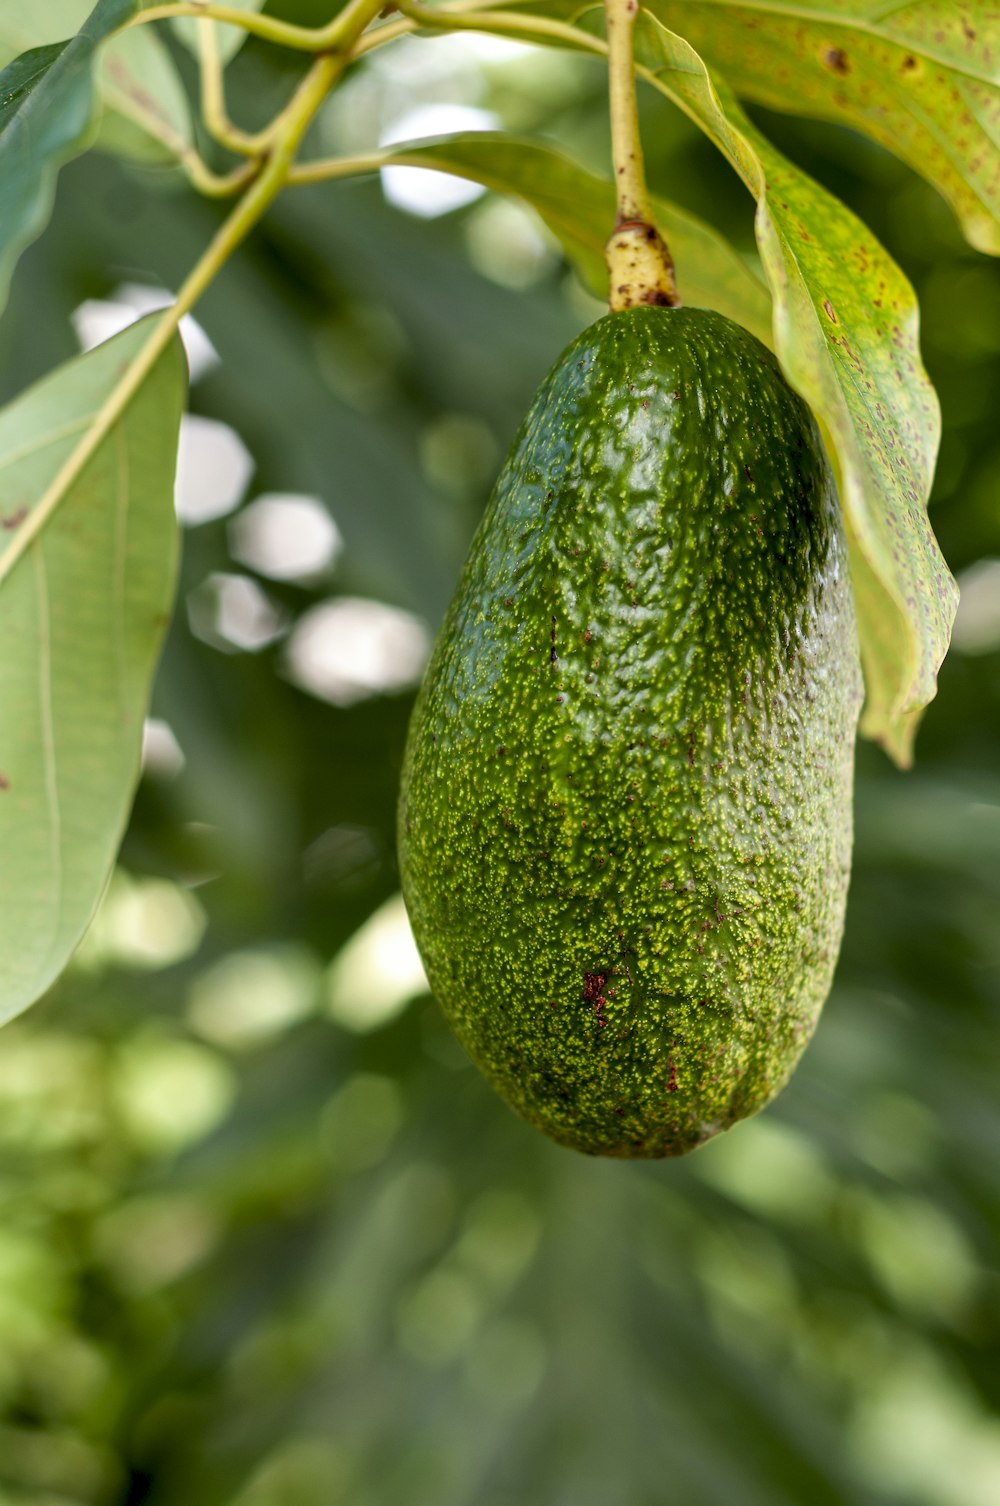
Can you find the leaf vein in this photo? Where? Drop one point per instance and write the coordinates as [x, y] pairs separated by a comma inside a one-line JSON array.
[[47, 714]]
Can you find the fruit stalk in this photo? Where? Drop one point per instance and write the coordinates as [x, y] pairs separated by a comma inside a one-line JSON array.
[[640, 268]]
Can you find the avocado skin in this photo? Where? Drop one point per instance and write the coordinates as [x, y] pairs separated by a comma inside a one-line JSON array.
[[625, 817]]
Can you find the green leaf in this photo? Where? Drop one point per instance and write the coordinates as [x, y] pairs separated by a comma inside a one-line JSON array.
[[83, 609], [47, 112], [146, 114], [919, 78], [846, 332], [579, 209]]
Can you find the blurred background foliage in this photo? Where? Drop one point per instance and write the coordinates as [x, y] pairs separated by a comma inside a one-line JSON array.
[[266, 1238]]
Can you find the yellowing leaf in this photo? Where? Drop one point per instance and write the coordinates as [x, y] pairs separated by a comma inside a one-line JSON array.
[[921, 78]]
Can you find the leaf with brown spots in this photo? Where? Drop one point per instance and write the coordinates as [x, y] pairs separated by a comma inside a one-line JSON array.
[[922, 78]]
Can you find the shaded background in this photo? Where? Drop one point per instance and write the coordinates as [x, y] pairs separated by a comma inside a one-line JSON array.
[[266, 1238]]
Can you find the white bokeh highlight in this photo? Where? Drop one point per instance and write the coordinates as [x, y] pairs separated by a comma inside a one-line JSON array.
[[285, 536], [214, 468], [349, 649], [234, 613], [419, 190], [162, 755], [977, 624]]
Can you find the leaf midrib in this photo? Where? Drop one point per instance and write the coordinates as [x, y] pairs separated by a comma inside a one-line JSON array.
[[48, 739]]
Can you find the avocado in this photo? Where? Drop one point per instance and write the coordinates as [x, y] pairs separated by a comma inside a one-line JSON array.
[[625, 816]]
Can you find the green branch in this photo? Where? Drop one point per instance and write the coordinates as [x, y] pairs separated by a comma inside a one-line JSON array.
[[339, 33]]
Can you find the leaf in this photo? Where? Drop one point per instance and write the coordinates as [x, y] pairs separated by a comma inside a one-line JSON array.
[[83, 611], [579, 208], [46, 116], [146, 114], [846, 332], [920, 78]]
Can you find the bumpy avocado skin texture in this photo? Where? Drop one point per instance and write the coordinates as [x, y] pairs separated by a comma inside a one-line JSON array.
[[625, 818]]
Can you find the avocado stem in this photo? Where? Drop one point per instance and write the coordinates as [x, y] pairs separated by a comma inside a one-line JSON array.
[[640, 268]]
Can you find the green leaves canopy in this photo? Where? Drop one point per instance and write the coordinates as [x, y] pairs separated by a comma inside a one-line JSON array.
[[85, 597]]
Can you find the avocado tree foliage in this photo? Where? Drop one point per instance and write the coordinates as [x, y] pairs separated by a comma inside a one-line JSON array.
[[88, 542]]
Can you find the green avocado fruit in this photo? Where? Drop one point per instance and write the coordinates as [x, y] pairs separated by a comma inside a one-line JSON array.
[[625, 819]]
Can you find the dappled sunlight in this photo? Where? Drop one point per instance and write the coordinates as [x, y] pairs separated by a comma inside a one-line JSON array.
[[509, 243], [148, 1242], [419, 190], [361, 1121], [170, 1092], [143, 923], [162, 755], [249, 998]]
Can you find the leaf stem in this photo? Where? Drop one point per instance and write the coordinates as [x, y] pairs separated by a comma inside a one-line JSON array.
[[504, 23], [626, 147], [135, 106], [213, 96], [640, 269], [343, 29], [282, 33], [289, 129], [325, 169], [377, 36]]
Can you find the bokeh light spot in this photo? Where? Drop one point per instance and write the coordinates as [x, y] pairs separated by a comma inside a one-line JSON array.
[[249, 997], [285, 537], [348, 649], [214, 468], [378, 972]]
